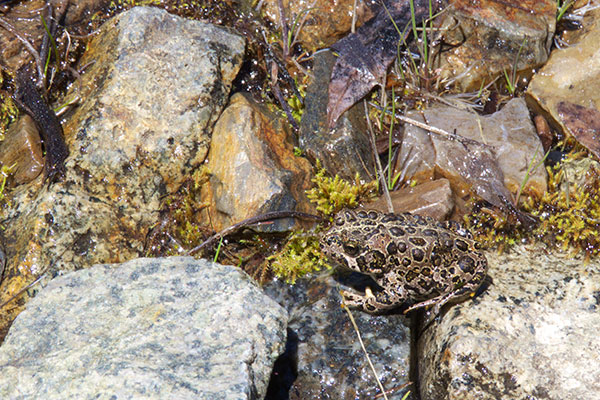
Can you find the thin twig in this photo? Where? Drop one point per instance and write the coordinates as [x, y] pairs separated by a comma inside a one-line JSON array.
[[86, 36], [353, 28], [40, 276], [279, 96], [284, 29], [433, 129], [20, 292], [386, 192], [362, 345], [298, 25], [252, 221]]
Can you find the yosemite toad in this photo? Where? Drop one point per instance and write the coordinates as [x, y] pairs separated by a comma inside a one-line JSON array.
[[412, 258]]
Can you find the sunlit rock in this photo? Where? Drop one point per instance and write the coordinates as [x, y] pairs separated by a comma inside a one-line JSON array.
[[487, 38], [317, 24], [570, 81], [490, 155], [533, 333], [253, 169], [148, 328]]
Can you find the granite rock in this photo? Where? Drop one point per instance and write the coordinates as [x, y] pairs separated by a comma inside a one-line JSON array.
[[149, 328]]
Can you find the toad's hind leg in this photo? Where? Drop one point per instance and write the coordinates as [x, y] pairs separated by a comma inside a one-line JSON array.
[[439, 301]]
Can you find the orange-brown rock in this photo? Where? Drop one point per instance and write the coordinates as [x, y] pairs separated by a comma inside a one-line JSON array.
[[325, 21], [489, 37], [21, 150], [253, 167]]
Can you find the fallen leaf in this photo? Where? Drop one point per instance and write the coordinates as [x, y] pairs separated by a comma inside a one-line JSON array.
[[364, 56]]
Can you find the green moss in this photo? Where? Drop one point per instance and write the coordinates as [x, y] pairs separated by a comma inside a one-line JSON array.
[[300, 256], [302, 253], [491, 228], [333, 194], [296, 104], [569, 215], [8, 109]]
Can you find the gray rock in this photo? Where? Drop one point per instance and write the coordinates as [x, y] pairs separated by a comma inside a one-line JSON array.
[[150, 98], [172, 328], [533, 334], [505, 139], [343, 150]]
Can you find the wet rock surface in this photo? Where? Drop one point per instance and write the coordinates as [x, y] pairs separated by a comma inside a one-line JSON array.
[[345, 149], [531, 334], [569, 79], [24, 18], [488, 36], [21, 150], [150, 328], [253, 169], [325, 22], [325, 352], [156, 87]]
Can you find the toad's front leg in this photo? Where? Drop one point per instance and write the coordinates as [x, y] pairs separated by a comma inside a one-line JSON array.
[[373, 302]]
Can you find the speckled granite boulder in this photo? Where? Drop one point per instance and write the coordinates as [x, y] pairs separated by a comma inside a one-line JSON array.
[[172, 328], [533, 334]]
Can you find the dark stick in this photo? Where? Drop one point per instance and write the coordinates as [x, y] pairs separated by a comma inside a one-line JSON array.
[[251, 221], [29, 99]]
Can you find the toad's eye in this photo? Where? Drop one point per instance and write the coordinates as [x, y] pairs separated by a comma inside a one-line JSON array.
[[351, 248]]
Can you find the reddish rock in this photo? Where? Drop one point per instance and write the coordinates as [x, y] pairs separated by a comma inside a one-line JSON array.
[[21, 150], [488, 35]]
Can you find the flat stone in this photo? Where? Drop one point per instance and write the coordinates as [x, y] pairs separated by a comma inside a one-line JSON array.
[[150, 328], [533, 333], [150, 98], [253, 169], [432, 199], [508, 139], [570, 77], [488, 35]]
